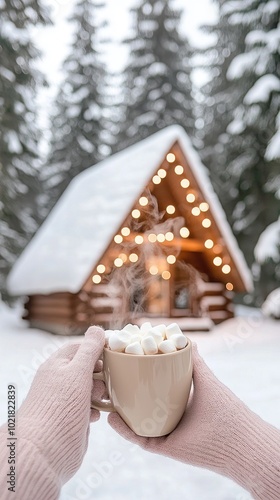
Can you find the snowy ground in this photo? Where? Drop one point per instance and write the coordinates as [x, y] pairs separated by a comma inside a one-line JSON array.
[[243, 352]]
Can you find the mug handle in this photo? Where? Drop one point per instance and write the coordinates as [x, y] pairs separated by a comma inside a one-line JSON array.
[[104, 404]]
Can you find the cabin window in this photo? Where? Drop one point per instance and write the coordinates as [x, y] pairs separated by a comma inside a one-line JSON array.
[[182, 298], [136, 300], [157, 288]]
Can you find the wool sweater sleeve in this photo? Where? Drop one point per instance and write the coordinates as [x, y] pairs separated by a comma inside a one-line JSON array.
[[220, 433], [52, 424], [252, 456], [31, 476]]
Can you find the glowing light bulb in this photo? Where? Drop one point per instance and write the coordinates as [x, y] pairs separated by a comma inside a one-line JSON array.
[[204, 206], [139, 239], [170, 209], [179, 170], [229, 286], [195, 211], [152, 238], [161, 237], [133, 257], [96, 279], [208, 244], [101, 268], [166, 275], [226, 269], [118, 238], [185, 183], [161, 173], [156, 179], [217, 261], [143, 201], [118, 262], [123, 256], [171, 259], [170, 157], [169, 236], [136, 213], [184, 232], [125, 231], [190, 197], [206, 223], [153, 270]]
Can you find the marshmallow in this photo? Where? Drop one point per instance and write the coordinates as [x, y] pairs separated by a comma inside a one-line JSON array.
[[166, 346], [149, 345], [156, 335], [137, 337], [108, 333], [172, 329], [145, 327], [146, 340], [179, 340], [119, 340], [134, 348], [132, 329], [160, 329]]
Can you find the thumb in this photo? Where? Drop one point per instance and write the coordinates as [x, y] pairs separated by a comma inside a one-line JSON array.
[[66, 352], [90, 349]]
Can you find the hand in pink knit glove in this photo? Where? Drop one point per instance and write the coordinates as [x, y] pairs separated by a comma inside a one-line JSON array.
[[218, 432], [53, 421]]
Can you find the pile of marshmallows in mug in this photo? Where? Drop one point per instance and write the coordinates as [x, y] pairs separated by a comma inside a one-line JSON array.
[[147, 339]]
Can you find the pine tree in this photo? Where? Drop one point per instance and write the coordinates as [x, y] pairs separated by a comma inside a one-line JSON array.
[[219, 97], [238, 145], [78, 130], [19, 160], [267, 255], [157, 84]]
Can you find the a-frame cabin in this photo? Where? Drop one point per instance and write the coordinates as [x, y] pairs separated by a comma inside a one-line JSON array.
[[140, 235]]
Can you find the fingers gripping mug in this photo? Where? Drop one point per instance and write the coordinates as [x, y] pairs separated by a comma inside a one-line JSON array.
[[149, 392]]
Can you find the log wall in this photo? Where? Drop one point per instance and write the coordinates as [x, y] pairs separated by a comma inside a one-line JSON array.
[[72, 314], [66, 313], [215, 301]]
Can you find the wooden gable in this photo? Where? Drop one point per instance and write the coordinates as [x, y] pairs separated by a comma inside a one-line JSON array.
[[197, 239]]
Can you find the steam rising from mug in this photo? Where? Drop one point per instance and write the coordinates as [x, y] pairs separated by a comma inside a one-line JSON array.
[[135, 280]]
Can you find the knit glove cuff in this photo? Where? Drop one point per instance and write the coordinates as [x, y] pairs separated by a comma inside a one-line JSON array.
[[35, 477]]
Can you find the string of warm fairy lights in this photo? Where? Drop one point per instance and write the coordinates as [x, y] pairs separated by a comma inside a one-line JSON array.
[[199, 209]]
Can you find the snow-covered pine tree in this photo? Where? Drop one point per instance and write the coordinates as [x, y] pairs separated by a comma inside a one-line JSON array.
[[253, 164], [239, 156], [219, 98], [19, 82], [78, 131], [157, 84], [267, 255]]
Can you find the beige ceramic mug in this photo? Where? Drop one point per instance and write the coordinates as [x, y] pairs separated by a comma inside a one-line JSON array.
[[149, 392]]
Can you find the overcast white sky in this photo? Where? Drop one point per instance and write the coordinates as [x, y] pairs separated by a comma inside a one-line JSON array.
[[54, 40]]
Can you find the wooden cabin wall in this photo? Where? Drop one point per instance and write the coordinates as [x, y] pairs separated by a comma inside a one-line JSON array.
[[214, 301], [207, 297], [60, 313], [65, 313], [106, 305]]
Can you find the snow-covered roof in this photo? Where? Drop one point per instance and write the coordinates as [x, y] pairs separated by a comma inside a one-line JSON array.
[[70, 242]]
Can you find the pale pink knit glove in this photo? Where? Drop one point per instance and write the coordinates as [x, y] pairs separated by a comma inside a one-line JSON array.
[[53, 421], [220, 433]]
